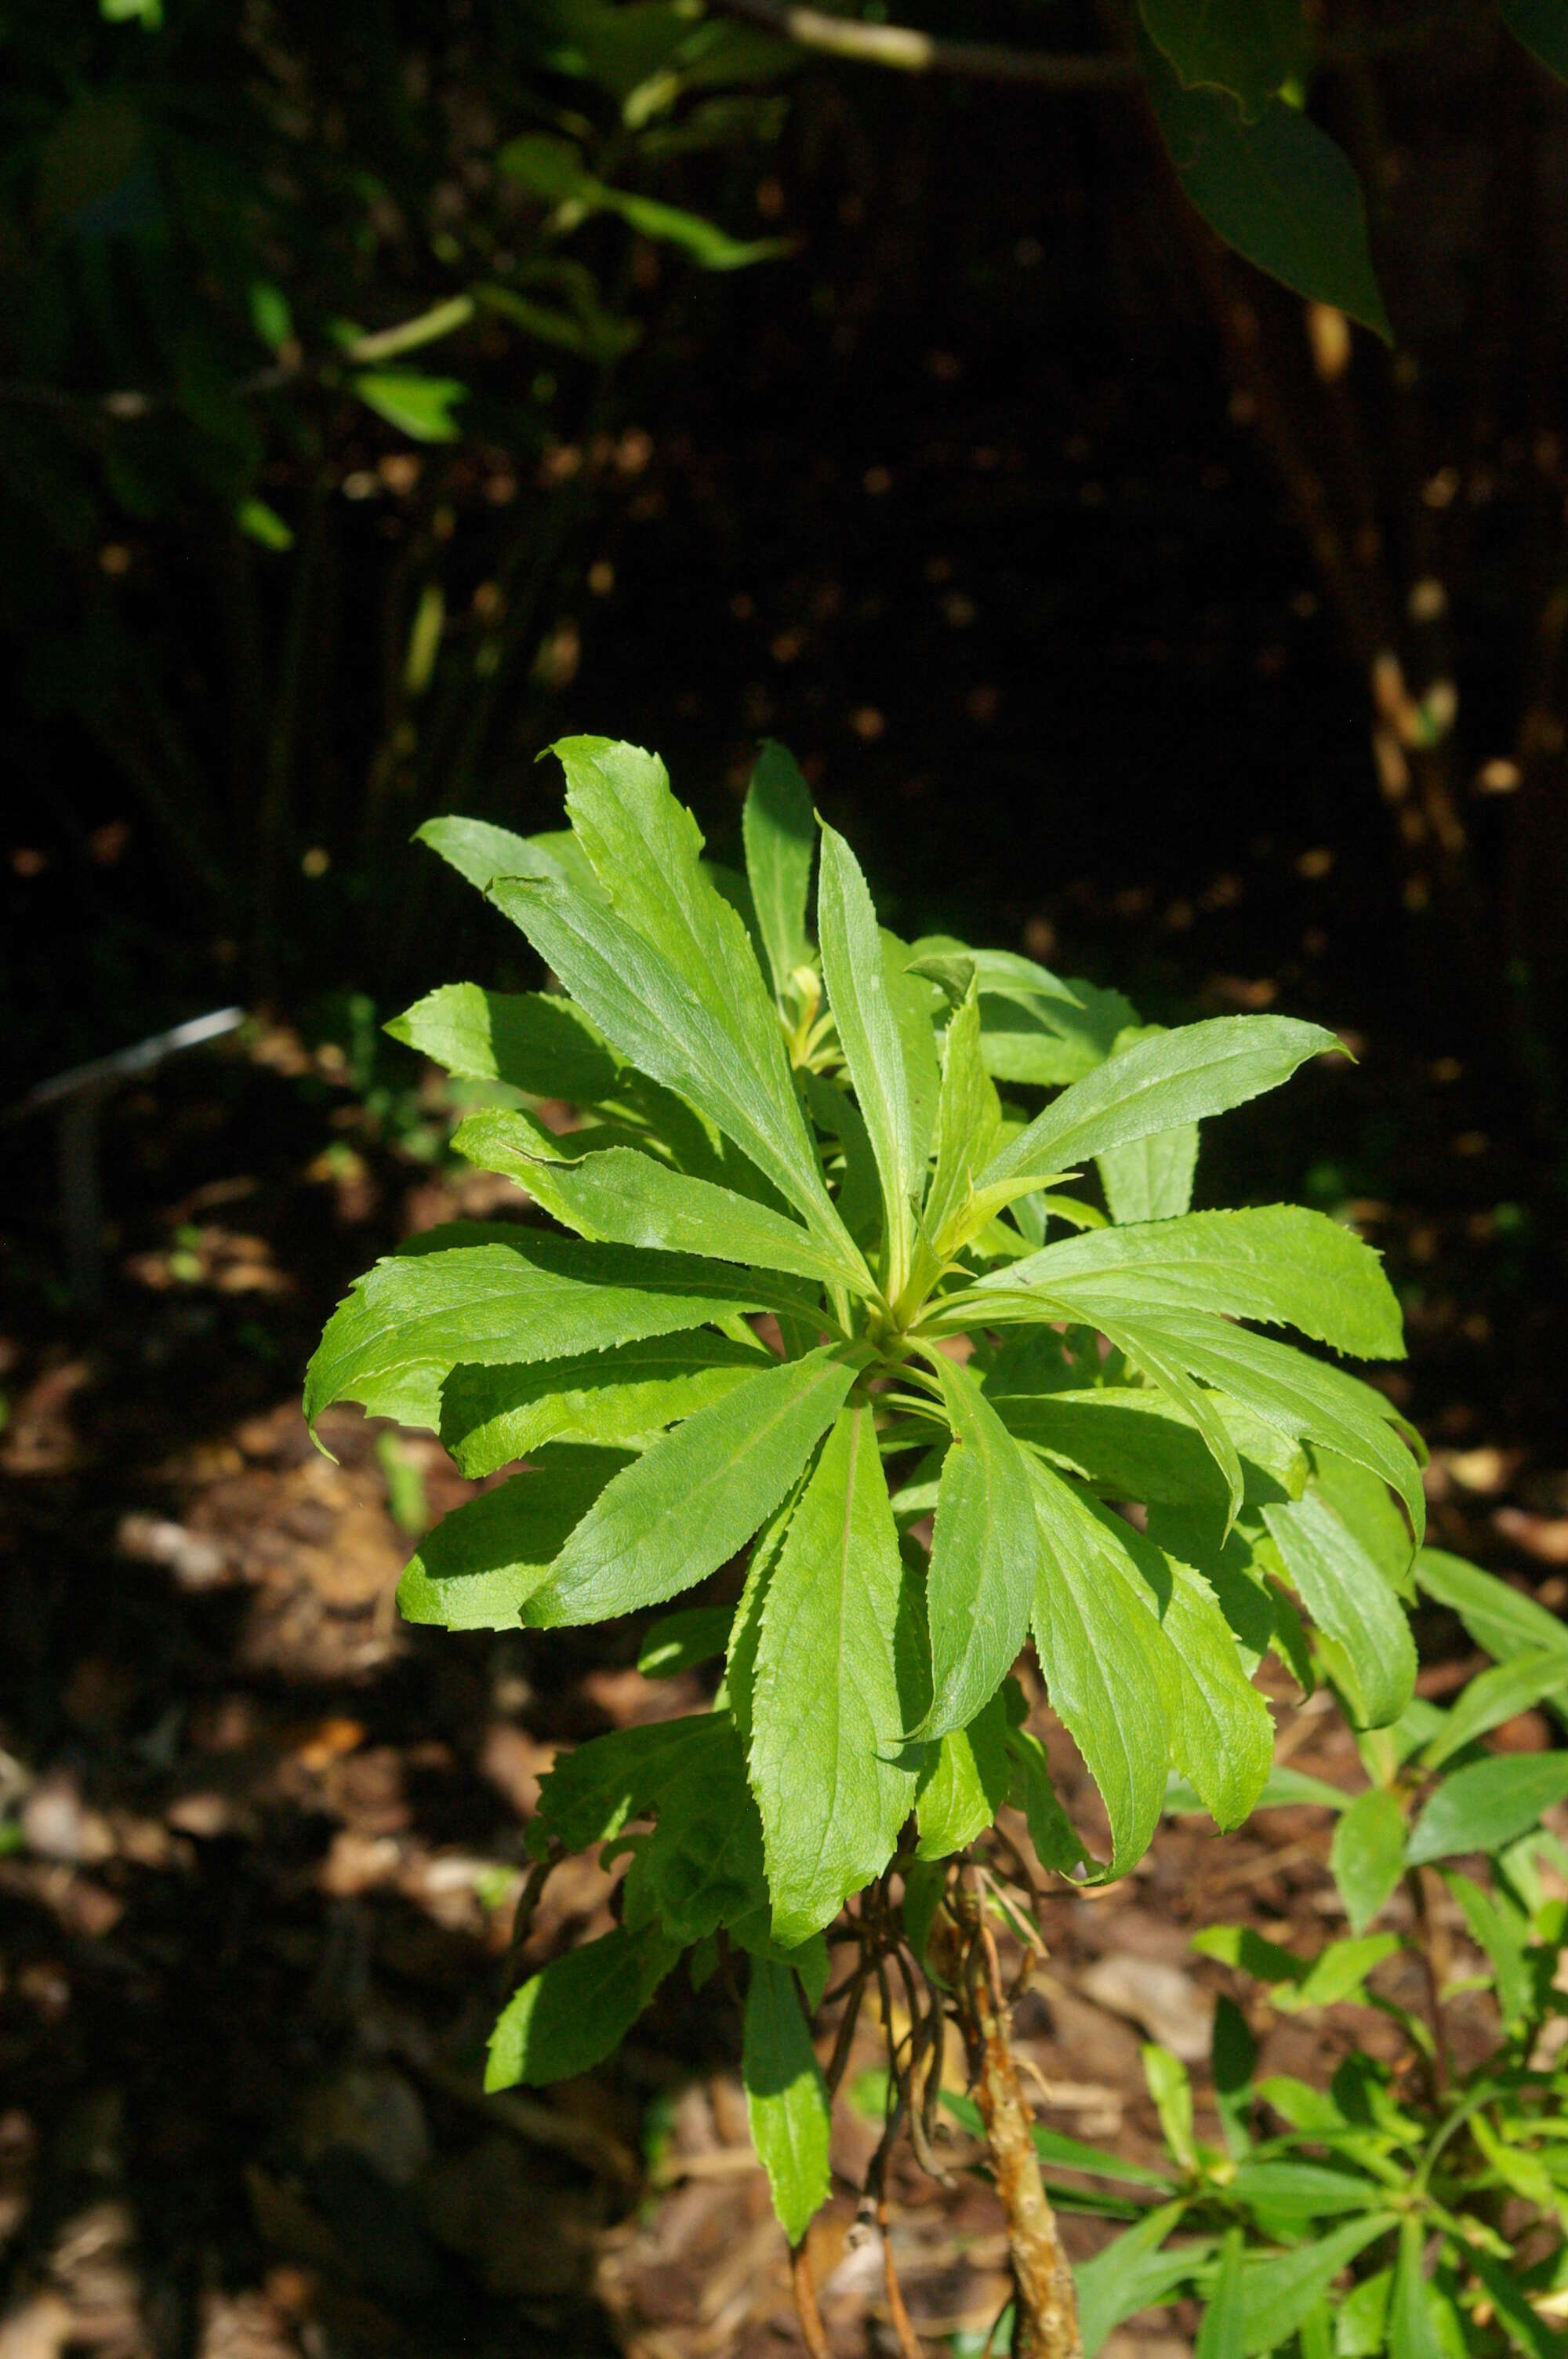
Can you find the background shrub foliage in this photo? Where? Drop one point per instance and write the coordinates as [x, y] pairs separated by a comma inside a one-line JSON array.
[[430, 255], [828, 1297]]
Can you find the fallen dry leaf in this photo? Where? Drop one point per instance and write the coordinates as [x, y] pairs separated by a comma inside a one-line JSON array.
[[1166, 2001]]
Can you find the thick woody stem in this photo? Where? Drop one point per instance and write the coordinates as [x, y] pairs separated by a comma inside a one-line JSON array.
[[1045, 2310]]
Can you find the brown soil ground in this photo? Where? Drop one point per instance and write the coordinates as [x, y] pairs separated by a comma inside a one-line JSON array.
[[264, 1848]]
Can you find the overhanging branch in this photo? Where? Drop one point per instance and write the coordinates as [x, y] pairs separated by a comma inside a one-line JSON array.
[[906, 49], [909, 51]]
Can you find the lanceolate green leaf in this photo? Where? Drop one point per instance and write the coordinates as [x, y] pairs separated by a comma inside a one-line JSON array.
[[1220, 2336], [1364, 1501], [1301, 1397], [826, 1759], [1053, 1833], [655, 1017], [1500, 1927], [1276, 2295], [515, 1143], [531, 1040], [1147, 1347], [1351, 1602], [868, 1032], [491, 1417], [1130, 2274], [967, 1113], [1108, 1670], [504, 1295], [1368, 1855], [1502, 1620], [1497, 1695], [1413, 2332], [984, 1556], [1223, 1735], [645, 849], [964, 1784], [1488, 1805], [621, 1197], [746, 1629], [486, 1558], [1151, 1178], [786, 2097], [694, 1496], [1132, 1443], [780, 834], [1278, 190], [480, 853], [1277, 1262], [592, 1790], [913, 1001], [573, 2014], [1177, 1077], [701, 1866]]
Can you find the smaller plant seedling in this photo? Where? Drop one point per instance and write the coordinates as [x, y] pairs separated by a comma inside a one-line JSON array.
[[1410, 2208]]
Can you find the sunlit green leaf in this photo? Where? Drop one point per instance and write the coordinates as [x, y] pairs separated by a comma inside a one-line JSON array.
[[1276, 2295], [481, 1564], [1347, 1597], [1277, 1263], [694, 1497], [569, 2018], [419, 407], [1368, 1855], [532, 1041], [1175, 1078], [786, 2098], [491, 1416], [826, 1759], [1110, 1673], [502, 1295], [868, 1028], [964, 1784], [967, 1113], [653, 1013], [617, 1196], [780, 832], [984, 1555], [1486, 1805]]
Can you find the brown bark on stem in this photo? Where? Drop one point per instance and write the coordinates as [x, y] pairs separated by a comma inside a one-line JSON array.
[[1045, 2308], [905, 2334], [804, 2288]]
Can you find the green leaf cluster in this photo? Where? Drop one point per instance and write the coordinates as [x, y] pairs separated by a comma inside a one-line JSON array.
[[1414, 2209], [820, 1297]]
